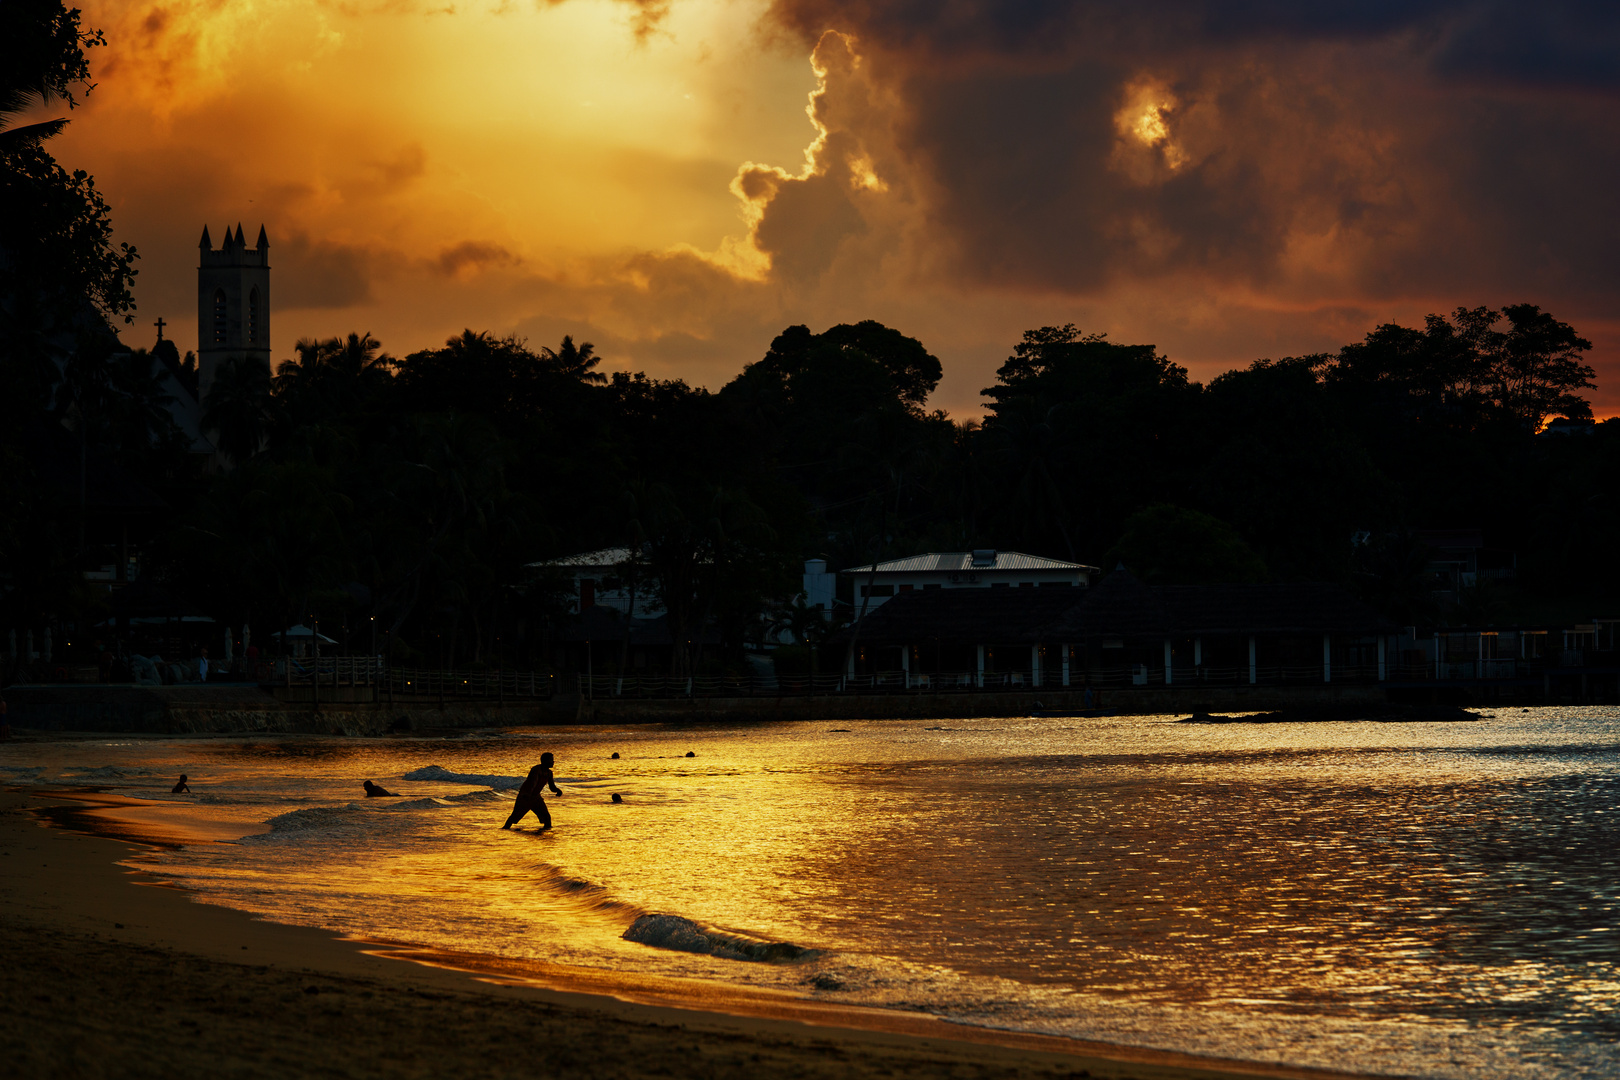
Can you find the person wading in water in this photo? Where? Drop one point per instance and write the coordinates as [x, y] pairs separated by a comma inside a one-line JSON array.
[[529, 795]]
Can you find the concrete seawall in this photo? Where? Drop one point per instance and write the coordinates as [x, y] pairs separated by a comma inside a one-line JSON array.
[[228, 709]]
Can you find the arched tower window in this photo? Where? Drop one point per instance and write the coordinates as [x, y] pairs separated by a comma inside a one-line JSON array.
[[219, 316], [253, 316]]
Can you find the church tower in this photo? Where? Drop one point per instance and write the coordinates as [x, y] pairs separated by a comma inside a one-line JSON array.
[[233, 304]]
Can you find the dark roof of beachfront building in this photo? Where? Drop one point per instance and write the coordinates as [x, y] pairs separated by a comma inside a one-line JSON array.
[[1122, 606]]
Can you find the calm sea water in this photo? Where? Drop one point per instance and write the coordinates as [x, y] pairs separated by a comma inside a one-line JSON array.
[[1434, 899]]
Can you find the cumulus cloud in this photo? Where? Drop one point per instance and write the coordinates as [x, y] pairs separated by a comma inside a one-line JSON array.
[[1320, 152]]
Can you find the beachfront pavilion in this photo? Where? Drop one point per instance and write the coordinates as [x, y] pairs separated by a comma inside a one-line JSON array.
[[1122, 632], [982, 568]]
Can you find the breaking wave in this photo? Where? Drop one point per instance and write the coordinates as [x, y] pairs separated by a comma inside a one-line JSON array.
[[445, 776], [325, 817], [684, 935], [107, 773]]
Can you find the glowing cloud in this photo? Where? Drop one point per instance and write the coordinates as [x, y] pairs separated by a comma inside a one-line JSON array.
[[1271, 185]]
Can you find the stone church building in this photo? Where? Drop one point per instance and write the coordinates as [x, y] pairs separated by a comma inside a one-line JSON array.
[[233, 304]]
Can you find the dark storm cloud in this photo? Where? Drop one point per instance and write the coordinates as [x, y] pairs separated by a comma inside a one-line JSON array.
[[470, 256], [1572, 44], [1378, 150], [1558, 43]]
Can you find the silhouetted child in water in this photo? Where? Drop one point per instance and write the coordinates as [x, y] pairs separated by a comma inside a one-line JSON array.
[[529, 795], [181, 787], [377, 790]]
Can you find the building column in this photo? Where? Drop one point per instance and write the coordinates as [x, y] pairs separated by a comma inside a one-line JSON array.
[[1167, 662], [1035, 665], [979, 675], [1198, 652], [905, 663], [1327, 657], [1065, 648], [1253, 671], [1382, 666], [1479, 656]]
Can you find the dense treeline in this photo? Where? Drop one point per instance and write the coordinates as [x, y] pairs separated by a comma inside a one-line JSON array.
[[419, 491], [407, 500]]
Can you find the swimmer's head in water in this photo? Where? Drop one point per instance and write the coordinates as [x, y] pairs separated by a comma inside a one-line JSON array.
[[546, 759]]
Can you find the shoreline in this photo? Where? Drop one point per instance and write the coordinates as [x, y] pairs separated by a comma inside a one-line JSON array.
[[75, 898]]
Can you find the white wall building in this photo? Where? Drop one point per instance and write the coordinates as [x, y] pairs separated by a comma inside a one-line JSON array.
[[820, 585], [982, 568]]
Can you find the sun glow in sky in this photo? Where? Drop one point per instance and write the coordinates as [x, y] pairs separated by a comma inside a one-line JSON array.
[[649, 179]]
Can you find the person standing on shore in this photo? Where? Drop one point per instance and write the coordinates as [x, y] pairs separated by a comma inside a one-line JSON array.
[[530, 795]]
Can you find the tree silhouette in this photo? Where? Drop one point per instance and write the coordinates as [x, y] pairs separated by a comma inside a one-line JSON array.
[[41, 60], [1538, 370], [575, 362], [237, 412]]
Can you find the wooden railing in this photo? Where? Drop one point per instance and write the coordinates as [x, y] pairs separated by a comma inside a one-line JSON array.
[[336, 672]]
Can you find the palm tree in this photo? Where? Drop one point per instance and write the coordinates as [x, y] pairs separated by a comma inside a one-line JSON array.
[[237, 411], [575, 362], [42, 60], [141, 407], [331, 378]]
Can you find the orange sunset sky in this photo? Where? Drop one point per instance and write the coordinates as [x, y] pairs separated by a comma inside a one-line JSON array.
[[1227, 181]]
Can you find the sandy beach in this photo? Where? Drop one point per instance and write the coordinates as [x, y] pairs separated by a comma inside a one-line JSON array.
[[110, 974]]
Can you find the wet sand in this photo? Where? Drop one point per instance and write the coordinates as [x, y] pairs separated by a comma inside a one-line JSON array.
[[110, 974]]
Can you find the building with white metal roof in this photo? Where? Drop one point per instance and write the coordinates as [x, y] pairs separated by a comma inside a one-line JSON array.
[[982, 568]]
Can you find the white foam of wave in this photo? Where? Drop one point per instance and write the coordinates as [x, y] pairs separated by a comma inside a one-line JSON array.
[[326, 817], [109, 773], [445, 776], [473, 797], [684, 935]]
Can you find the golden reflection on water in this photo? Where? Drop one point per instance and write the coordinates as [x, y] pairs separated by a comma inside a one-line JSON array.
[[1430, 873]]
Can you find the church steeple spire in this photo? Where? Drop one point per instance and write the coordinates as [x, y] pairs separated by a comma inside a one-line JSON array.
[[233, 302]]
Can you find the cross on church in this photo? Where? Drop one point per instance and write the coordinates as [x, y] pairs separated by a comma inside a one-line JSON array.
[[160, 324]]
